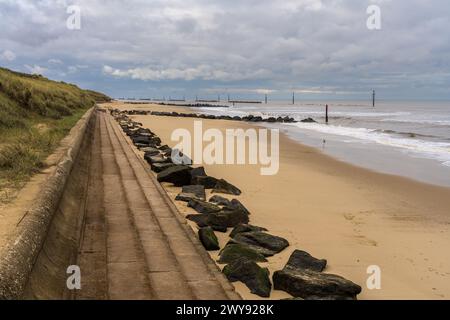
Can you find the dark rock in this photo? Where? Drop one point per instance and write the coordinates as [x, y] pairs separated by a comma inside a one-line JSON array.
[[150, 150], [178, 175], [198, 190], [151, 153], [241, 228], [159, 167], [252, 275], [198, 172], [308, 284], [263, 251], [146, 140], [167, 153], [263, 240], [220, 220], [141, 145], [222, 186], [208, 239], [237, 118], [156, 141], [221, 201], [228, 218], [236, 204], [141, 140], [206, 181], [165, 150], [200, 219], [145, 134], [303, 260], [186, 197], [256, 119], [144, 131], [271, 119], [156, 159], [203, 206], [309, 120], [233, 252]]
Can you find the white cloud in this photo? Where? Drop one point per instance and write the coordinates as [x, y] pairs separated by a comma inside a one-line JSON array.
[[7, 55], [201, 72], [35, 69], [55, 61]]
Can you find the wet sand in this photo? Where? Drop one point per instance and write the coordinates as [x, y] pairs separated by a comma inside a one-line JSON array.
[[351, 216]]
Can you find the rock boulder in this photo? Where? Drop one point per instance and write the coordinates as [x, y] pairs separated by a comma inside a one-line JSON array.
[[241, 228], [262, 239], [178, 175], [308, 284], [233, 252], [208, 239], [223, 186], [253, 276], [203, 206]]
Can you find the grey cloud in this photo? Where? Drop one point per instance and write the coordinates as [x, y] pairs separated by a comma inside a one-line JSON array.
[[313, 45]]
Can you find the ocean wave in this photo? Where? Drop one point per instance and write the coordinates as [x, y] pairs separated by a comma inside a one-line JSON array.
[[427, 149], [421, 121], [411, 142], [407, 134], [336, 114], [298, 114]]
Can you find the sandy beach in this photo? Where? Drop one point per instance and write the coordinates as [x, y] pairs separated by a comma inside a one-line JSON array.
[[350, 216]]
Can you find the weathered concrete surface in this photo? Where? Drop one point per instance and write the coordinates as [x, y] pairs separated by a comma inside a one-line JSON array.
[[18, 256], [107, 214]]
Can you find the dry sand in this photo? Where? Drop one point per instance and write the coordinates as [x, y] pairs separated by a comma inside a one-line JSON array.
[[351, 216]]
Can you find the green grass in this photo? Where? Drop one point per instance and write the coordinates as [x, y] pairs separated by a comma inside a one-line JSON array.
[[35, 114]]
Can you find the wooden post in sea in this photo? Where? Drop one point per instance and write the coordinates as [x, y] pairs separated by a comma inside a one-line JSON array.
[[293, 97], [326, 114], [373, 98], [228, 97], [218, 98], [265, 99]]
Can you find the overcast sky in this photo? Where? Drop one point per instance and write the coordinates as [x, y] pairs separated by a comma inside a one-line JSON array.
[[322, 49]]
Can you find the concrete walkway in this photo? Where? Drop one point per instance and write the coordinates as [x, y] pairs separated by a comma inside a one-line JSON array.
[[135, 244]]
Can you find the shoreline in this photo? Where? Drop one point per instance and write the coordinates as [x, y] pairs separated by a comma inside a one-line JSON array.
[[387, 139], [352, 216]]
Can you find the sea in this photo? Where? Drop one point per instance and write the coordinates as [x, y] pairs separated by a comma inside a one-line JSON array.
[[406, 138]]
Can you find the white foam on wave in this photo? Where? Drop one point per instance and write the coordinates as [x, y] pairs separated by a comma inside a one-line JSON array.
[[222, 111], [296, 113], [427, 149], [356, 114], [422, 121]]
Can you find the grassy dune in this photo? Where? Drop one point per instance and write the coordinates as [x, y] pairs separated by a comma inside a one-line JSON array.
[[35, 114]]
